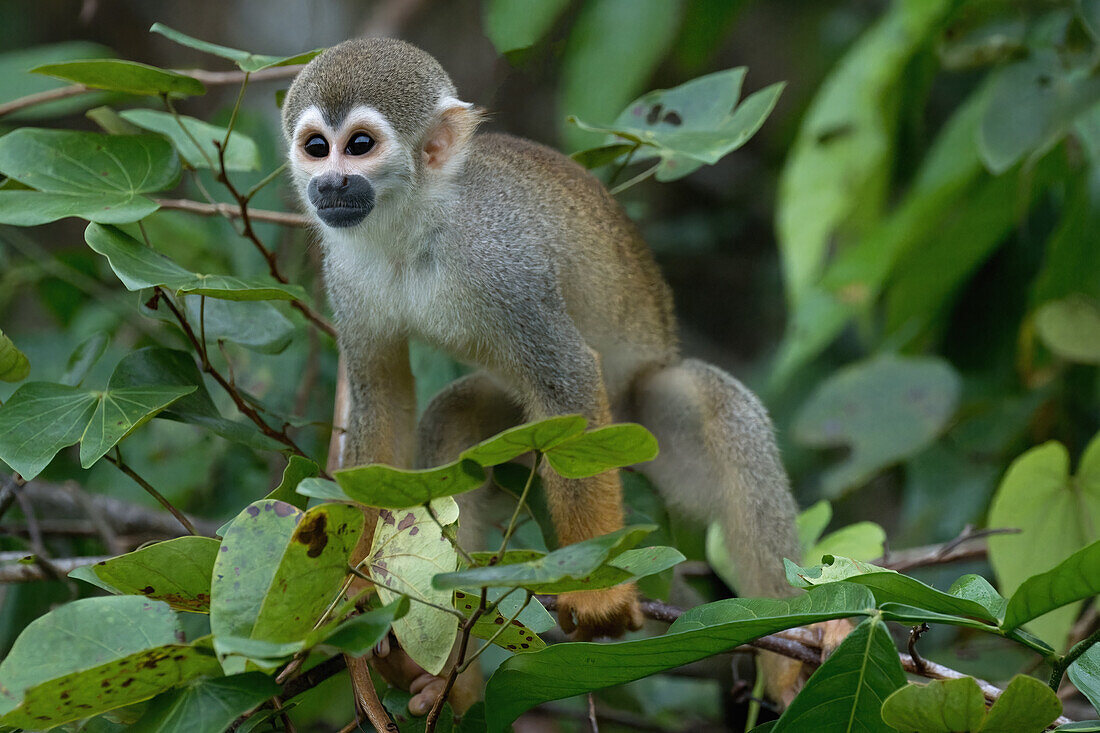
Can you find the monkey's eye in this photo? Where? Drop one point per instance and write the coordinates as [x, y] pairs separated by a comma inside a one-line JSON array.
[[316, 146], [360, 144]]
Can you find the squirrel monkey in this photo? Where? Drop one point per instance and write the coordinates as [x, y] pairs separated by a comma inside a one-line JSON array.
[[510, 256]]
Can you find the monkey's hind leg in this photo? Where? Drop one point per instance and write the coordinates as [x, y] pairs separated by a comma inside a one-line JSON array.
[[466, 412], [719, 462]]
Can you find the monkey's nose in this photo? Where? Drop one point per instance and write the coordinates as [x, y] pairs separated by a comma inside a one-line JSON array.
[[330, 184]]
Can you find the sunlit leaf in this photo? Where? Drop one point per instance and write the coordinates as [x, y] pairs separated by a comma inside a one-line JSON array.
[[1057, 515], [1071, 328], [537, 436], [602, 449], [138, 267], [243, 59], [564, 670], [516, 24], [16, 81], [397, 488], [408, 550], [175, 571], [846, 692], [241, 154], [123, 76], [885, 409]]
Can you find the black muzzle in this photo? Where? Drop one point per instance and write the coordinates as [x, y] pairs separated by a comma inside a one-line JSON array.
[[340, 200]]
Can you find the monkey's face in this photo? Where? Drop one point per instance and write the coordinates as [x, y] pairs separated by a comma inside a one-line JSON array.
[[344, 168]]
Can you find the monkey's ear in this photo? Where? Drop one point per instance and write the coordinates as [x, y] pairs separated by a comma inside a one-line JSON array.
[[453, 127]]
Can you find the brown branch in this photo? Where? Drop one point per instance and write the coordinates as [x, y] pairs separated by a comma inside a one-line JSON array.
[[283, 218], [209, 78], [22, 572], [954, 550], [137, 479]]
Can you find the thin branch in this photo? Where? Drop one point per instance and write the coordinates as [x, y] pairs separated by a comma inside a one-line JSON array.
[[21, 572], [463, 643], [448, 533], [592, 714], [915, 634], [968, 545], [635, 180], [122, 466], [360, 574], [511, 527], [50, 95]]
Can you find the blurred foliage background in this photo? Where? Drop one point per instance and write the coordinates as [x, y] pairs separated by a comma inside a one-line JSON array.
[[902, 261]]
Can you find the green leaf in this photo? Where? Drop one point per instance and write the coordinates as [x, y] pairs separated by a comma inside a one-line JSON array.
[[614, 46], [1084, 673], [138, 267], [397, 488], [1025, 705], [885, 409], [258, 325], [297, 470], [123, 76], [241, 154], [408, 550], [1074, 579], [887, 585], [1071, 328], [15, 82], [83, 358], [977, 589], [41, 418], [564, 670], [535, 436], [546, 574], [83, 174], [155, 365], [1083, 726], [603, 155], [812, 522], [1032, 105], [205, 706], [96, 654], [837, 173], [846, 692], [14, 366], [278, 571], [1057, 515], [602, 449], [860, 541], [513, 25], [244, 60], [941, 706], [176, 572], [515, 638], [699, 121]]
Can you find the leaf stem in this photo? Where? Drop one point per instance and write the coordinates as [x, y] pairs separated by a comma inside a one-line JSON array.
[[179, 121], [236, 109], [511, 527], [1060, 666], [635, 180], [622, 166], [448, 533], [360, 574], [122, 466], [263, 182]]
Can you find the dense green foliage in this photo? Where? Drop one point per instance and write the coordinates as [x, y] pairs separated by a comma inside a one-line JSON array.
[[935, 214]]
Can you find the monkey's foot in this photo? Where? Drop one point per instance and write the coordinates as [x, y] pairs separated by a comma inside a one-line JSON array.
[[784, 677], [595, 613]]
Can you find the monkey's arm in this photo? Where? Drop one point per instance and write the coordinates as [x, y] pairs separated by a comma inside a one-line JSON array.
[[381, 421]]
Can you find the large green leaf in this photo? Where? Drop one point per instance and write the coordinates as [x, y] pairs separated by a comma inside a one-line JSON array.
[[845, 694], [1074, 579], [396, 488], [14, 366], [408, 550], [1084, 673], [278, 570], [887, 585], [613, 48], [1071, 328], [243, 59], [513, 25], [545, 574], [536, 436], [838, 170], [602, 449], [564, 670], [176, 571], [885, 409], [155, 365], [138, 267], [83, 174], [93, 655], [1057, 515], [83, 358], [1025, 705], [42, 418], [241, 154], [941, 706], [123, 76], [700, 121], [15, 82], [205, 706]]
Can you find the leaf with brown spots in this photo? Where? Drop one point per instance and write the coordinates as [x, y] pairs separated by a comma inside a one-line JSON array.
[[177, 572], [518, 637], [280, 570], [406, 553]]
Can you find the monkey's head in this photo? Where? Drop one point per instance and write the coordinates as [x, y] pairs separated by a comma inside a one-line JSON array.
[[370, 122]]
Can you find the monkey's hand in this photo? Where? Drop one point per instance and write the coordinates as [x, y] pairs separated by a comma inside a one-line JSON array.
[[595, 613]]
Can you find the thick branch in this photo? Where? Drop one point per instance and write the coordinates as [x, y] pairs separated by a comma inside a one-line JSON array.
[[21, 572]]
